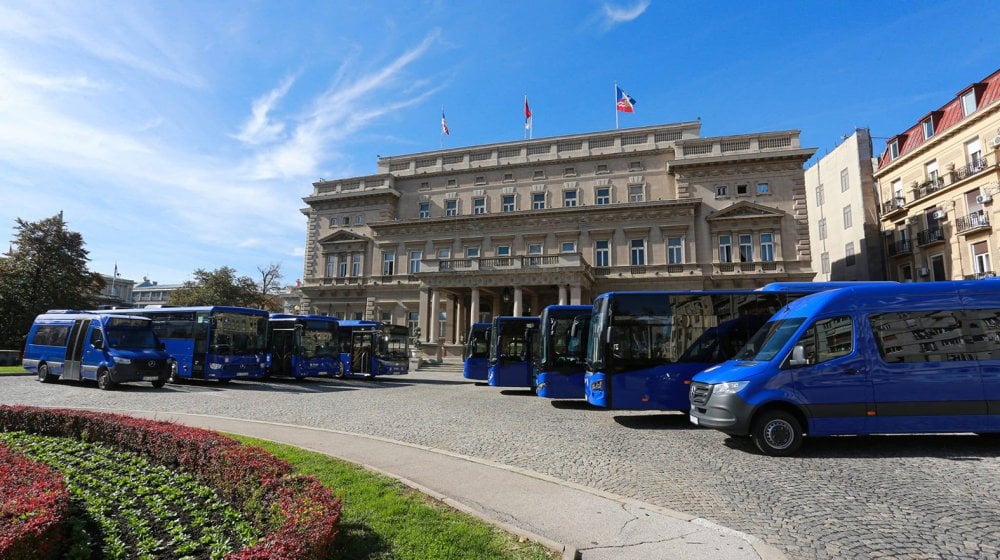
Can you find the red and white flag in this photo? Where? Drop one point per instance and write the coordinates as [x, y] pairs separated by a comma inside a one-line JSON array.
[[444, 125]]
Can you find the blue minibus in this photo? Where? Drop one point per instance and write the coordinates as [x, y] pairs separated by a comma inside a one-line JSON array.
[[644, 347], [374, 348], [559, 351], [303, 346], [211, 342], [477, 352], [510, 351], [902, 358], [105, 348]]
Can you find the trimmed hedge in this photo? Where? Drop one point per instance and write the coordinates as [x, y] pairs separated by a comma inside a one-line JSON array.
[[34, 508], [298, 514]]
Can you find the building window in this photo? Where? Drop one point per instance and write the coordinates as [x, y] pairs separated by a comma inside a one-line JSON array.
[[472, 252], [535, 249], [849, 258], [725, 248], [508, 177], [568, 247], [928, 126], [602, 253], [479, 205], [425, 210], [974, 151], [894, 149], [569, 172], [539, 175], [931, 171], [981, 258], [819, 196], [415, 258], [442, 323], [602, 168], [451, 208], [906, 273], [503, 251], [480, 180], [897, 188], [569, 199], [387, 316], [452, 182], [822, 229], [444, 253], [333, 222], [767, 247], [969, 103], [538, 201], [388, 264], [331, 265], [675, 250], [507, 203], [346, 221], [825, 260], [636, 193], [741, 189], [356, 265], [342, 267], [845, 181], [763, 188], [637, 254], [412, 320], [848, 221], [603, 196], [359, 219], [635, 166], [746, 247], [721, 190]]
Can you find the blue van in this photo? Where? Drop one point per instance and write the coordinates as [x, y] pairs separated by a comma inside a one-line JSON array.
[[905, 358], [109, 349]]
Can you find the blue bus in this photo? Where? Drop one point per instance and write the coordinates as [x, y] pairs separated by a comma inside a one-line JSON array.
[[303, 346], [212, 342], [644, 347], [374, 348], [109, 349], [477, 352], [907, 358], [510, 351], [559, 351]]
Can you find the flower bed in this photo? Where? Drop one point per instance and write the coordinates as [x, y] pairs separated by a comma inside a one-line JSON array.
[[298, 514], [34, 507]]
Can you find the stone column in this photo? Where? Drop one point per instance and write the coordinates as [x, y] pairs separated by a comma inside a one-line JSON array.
[[574, 295], [562, 294], [534, 304], [459, 319], [435, 315], [423, 313], [474, 304], [517, 301]]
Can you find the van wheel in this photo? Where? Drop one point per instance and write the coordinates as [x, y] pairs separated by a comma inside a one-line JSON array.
[[159, 383], [777, 433], [104, 381], [43, 374]]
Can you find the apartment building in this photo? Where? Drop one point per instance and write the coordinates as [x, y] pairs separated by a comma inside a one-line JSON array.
[[844, 227], [438, 240], [937, 181]]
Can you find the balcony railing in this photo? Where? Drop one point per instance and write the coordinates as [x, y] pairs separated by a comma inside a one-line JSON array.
[[944, 181], [977, 220], [754, 267], [893, 204], [980, 275], [901, 247], [929, 236], [969, 170], [928, 188], [502, 263]]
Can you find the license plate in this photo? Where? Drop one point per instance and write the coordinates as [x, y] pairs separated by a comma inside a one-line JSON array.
[[694, 420], [242, 373], [151, 378]]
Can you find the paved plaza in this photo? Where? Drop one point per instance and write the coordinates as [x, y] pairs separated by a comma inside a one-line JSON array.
[[876, 497]]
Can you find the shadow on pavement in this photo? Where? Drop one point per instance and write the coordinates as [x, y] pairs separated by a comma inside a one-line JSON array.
[[518, 392], [416, 381], [667, 421], [575, 405], [952, 447]]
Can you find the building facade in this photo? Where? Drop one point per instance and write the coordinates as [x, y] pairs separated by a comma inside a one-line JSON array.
[[117, 292], [438, 240], [844, 227], [150, 293], [937, 182]]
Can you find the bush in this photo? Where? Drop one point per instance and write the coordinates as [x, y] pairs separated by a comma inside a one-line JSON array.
[[34, 509], [298, 514]]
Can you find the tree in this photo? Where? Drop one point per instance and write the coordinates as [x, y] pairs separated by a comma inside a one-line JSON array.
[[219, 287], [270, 285], [46, 269]]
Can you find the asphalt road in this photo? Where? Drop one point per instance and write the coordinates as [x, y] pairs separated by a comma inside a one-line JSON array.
[[921, 497]]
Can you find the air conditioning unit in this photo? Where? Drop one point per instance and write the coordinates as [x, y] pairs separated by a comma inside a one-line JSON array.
[[937, 215], [923, 271], [983, 198], [995, 142]]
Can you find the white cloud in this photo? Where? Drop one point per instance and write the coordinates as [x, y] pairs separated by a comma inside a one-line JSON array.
[[259, 128], [614, 15]]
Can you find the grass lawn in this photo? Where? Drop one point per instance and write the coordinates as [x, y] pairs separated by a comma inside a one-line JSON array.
[[383, 519], [5, 370]]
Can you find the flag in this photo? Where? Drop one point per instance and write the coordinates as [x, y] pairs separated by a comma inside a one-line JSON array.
[[527, 111], [626, 104], [116, 270], [444, 125]]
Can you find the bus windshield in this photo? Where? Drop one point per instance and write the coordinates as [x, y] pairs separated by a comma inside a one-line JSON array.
[[563, 346], [319, 340], [479, 344], [392, 342], [234, 334], [769, 340], [595, 350], [132, 338]]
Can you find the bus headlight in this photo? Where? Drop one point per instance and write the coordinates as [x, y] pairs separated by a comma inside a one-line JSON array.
[[729, 388], [124, 361]]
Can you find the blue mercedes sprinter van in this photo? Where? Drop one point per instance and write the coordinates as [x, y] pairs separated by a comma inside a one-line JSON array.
[[896, 358], [109, 349]]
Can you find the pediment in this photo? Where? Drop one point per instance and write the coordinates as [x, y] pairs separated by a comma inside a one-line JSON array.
[[342, 236], [743, 210]]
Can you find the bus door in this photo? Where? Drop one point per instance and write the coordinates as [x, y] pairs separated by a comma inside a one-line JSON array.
[[361, 352], [282, 349], [74, 349]]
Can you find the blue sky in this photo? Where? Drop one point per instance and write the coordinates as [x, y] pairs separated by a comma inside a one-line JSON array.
[[181, 135]]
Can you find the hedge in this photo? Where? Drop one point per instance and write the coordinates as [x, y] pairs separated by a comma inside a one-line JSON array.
[[34, 508], [297, 513]]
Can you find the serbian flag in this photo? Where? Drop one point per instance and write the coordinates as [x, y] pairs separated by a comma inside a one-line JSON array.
[[626, 104], [444, 125], [527, 111]]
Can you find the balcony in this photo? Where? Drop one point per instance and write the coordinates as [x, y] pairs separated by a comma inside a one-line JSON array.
[[473, 264], [980, 275], [893, 205], [972, 222], [966, 171], [759, 267], [901, 247], [930, 236], [928, 188]]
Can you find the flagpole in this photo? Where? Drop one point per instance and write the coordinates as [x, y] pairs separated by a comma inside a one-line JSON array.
[[616, 105], [441, 133]]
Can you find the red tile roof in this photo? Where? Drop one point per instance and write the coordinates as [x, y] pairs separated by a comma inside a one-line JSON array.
[[987, 90]]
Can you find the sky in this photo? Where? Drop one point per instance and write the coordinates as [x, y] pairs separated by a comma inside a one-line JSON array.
[[184, 134]]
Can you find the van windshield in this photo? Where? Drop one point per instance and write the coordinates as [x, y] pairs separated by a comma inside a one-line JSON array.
[[132, 339], [769, 340]]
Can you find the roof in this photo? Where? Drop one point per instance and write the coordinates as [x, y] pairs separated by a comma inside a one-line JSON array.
[[944, 118]]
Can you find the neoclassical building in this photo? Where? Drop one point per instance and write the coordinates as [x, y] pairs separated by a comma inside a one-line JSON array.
[[438, 240]]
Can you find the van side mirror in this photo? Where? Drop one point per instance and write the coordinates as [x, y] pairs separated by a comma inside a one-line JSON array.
[[99, 344], [798, 356]]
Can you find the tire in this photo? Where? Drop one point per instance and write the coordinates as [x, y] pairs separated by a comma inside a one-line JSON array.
[[43, 374], [159, 383], [777, 433], [104, 381], [224, 381]]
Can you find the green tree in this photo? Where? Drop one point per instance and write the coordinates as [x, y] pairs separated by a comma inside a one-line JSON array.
[[217, 287], [46, 269]]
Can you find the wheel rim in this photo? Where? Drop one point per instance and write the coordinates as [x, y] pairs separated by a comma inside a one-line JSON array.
[[43, 372], [779, 434]]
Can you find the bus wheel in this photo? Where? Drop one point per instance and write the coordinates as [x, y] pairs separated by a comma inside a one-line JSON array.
[[776, 433], [104, 381], [159, 383], [43, 374]]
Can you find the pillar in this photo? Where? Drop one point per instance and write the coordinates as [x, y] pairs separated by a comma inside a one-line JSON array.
[[562, 294], [435, 315], [575, 295], [423, 314], [517, 301], [474, 305], [459, 319]]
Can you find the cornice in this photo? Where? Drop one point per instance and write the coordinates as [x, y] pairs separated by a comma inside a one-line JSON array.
[[801, 154]]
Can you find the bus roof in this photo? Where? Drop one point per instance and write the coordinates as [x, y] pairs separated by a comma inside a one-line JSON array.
[[211, 308], [73, 315], [304, 317], [566, 310], [812, 287]]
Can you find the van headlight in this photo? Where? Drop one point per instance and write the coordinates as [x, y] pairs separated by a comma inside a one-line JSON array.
[[124, 361], [729, 387], [597, 385]]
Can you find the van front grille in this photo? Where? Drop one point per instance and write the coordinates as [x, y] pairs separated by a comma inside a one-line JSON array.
[[700, 392]]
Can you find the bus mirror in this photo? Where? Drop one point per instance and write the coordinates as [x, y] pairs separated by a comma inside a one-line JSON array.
[[798, 356], [99, 344]]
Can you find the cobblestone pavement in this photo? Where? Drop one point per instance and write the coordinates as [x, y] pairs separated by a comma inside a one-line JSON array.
[[923, 497]]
